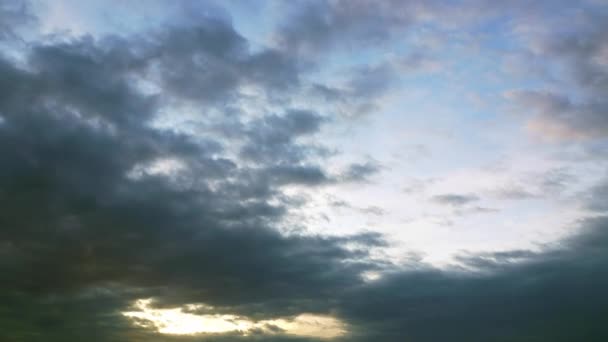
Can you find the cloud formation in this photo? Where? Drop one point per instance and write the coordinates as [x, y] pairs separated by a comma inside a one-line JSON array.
[[581, 52], [455, 199], [101, 207], [73, 129]]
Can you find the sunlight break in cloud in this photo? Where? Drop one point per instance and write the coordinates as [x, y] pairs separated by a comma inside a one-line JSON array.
[[176, 321]]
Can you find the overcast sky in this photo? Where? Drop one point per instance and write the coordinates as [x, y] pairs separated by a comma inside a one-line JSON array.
[[303, 171]]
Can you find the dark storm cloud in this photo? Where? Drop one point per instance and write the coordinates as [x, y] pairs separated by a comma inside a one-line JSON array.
[[88, 316], [456, 200], [555, 295], [272, 139], [81, 238], [208, 63], [308, 175]]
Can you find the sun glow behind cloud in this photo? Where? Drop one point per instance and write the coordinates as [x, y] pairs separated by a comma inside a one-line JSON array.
[[178, 321]]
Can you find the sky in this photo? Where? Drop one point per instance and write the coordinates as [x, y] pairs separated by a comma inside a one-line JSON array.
[[303, 171]]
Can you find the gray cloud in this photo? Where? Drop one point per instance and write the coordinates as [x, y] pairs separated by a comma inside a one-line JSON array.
[[271, 139], [418, 185], [74, 127], [369, 210], [596, 198], [360, 172], [365, 86], [317, 25], [314, 30], [209, 62], [81, 239], [580, 51], [476, 210], [456, 200], [14, 15], [513, 192], [557, 117], [552, 182], [516, 296]]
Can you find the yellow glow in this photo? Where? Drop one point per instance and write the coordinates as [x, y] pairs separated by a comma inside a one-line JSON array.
[[311, 325], [162, 166], [370, 276], [176, 321]]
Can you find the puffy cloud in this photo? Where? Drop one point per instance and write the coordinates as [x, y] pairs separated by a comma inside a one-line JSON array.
[[272, 138], [82, 238]]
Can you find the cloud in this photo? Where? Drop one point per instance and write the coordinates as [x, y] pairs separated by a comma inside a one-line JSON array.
[[513, 192], [317, 25], [298, 175], [272, 138], [596, 198], [514, 296], [477, 210], [74, 128], [535, 185], [369, 210], [14, 15], [455, 200], [363, 90], [418, 185], [360, 172], [557, 117], [580, 53], [83, 239]]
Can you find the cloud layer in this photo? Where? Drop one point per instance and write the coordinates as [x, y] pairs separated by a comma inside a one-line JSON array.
[[107, 197]]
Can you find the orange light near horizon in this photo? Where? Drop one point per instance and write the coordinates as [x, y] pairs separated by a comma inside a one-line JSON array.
[[176, 321]]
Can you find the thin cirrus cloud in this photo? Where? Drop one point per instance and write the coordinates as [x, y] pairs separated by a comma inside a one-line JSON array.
[[162, 183]]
